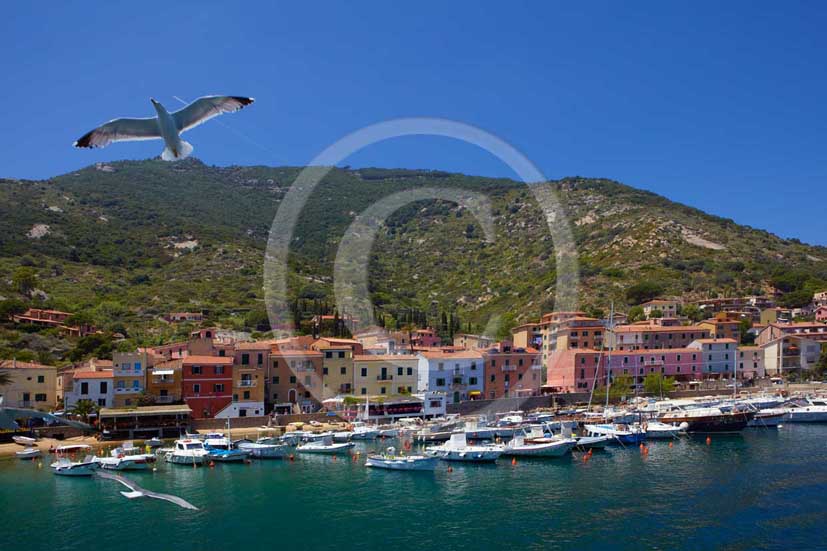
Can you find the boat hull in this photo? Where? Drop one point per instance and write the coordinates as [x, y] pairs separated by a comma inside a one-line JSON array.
[[728, 422], [551, 449], [186, 459], [265, 451], [403, 463], [804, 416], [469, 456], [33, 453], [767, 420], [334, 449], [76, 469]]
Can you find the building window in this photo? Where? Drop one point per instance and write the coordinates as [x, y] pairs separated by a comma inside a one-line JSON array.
[[219, 370], [341, 354], [39, 397], [383, 390], [84, 388], [472, 380], [136, 384], [440, 382], [343, 370], [328, 354], [493, 378], [196, 388], [276, 380], [260, 359], [307, 381], [104, 386], [246, 394], [245, 359], [400, 370], [196, 370], [364, 391], [218, 387], [410, 372], [292, 379], [41, 379], [364, 372], [324, 371], [137, 366]]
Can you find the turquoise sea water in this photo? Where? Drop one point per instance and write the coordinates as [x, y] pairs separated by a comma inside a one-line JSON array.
[[765, 489]]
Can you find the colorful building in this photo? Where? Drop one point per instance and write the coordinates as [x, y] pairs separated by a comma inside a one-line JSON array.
[[33, 385], [719, 356], [98, 386], [207, 384], [459, 374], [384, 375], [511, 371], [667, 308], [473, 342], [294, 379], [724, 325], [164, 381], [129, 370], [337, 365], [750, 362], [581, 370], [649, 336]]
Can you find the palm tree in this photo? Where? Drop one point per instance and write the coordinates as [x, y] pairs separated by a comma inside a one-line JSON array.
[[5, 378], [85, 408]]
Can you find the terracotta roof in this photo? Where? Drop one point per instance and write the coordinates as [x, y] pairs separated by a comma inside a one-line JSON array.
[[658, 328], [207, 360], [340, 341], [105, 374], [728, 341], [458, 355], [383, 357], [255, 345], [288, 352]]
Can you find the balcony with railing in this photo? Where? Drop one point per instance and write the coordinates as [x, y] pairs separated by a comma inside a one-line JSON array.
[[246, 383], [161, 380], [509, 368], [164, 399], [128, 390], [386, 377]]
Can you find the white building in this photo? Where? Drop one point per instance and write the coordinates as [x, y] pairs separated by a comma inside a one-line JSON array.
[[96, 386], [460, 375]]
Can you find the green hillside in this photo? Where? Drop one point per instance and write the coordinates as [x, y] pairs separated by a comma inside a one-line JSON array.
[[127, 242]]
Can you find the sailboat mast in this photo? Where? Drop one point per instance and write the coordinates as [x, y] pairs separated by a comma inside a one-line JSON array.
[[609, 359]]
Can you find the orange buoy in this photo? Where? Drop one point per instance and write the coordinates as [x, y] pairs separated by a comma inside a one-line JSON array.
[[450, 469], [641, 445], [708, 440], [334, 457], [513, 460], [212, 464], [670, 444]]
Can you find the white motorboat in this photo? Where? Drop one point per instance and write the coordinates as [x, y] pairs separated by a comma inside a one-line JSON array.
[[71, 449], [342, 436], [24, 440], [539, 447], [593, 442], [391, 432], [655, 430], [265, 448], [457, 449], [187, 452], [809, 411], [325, 446], [292, 438], [28, 453], [389, 460], [127, 458], [154, 442], [361, 431], [67, 467], [618, 432]]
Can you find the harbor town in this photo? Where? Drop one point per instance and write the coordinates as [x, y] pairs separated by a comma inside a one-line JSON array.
[[568, 383]]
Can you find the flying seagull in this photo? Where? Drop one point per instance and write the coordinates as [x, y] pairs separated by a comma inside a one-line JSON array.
[[137, 491], [167, 126]]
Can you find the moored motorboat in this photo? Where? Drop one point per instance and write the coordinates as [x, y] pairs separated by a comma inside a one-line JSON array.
[[187, 452], [67, 467], [361, 431], [458, 449], [768, 418], [325, 446], [127, 458], [655, 430], [154, 442], [28, 453], [342, 436], [390, 460], [618, 432], [265, 448], [539, 447], [24, 440], [585, 443], [709, 419]]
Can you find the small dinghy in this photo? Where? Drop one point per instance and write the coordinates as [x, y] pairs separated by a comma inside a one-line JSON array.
[[539, 447], [265, 448], [389, 460], [28, 453], [24, 440]]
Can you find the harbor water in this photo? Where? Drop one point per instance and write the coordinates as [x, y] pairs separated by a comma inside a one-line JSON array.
[[763, 489]]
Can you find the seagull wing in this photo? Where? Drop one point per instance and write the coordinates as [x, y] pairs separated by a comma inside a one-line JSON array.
[[121, 130], [203, 109]]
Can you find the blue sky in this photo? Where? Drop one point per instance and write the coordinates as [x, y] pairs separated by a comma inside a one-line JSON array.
[[720, 105]]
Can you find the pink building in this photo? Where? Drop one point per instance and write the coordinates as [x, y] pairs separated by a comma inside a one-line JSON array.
[[575, 370], [648, 336]]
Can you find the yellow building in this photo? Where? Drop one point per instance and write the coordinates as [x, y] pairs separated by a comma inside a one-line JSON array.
[[32, 385], [163, 382], [383, 375]]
